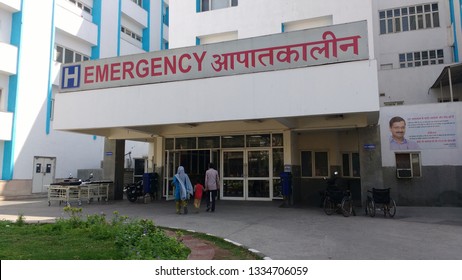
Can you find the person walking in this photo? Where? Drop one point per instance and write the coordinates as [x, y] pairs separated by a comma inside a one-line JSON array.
[[212, 185], [198, 190], [183, 190]]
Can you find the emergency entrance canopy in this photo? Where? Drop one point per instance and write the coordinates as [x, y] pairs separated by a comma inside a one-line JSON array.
[[310, 47]]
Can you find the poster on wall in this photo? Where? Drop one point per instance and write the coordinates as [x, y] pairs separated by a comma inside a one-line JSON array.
[[435, 130]]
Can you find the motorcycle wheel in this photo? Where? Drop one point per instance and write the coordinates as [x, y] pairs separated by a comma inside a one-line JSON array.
[[131, 197]]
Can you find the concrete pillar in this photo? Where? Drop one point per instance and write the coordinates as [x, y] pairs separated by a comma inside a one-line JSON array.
[[156, 161], [113, 165], [370, 159]]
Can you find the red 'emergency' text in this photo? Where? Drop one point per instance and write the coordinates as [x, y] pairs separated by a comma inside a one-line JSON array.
[[157, 66]]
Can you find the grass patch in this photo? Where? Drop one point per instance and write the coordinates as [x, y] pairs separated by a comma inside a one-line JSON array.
[[48, 242], [93, 238]]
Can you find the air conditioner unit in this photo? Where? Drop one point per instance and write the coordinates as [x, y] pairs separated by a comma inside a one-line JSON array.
[[404, 173]]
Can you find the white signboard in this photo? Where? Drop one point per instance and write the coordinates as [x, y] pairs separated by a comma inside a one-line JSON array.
[[310, 47], [432, 130]]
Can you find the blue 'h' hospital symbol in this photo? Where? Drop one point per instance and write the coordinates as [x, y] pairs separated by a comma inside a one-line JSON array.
[[70, 77]]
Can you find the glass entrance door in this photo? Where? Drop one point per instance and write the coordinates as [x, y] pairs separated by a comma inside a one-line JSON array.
[[195, 163], [233, 175], [246, 175], [258, 175]]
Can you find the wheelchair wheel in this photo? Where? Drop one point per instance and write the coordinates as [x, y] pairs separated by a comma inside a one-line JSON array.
[[347, 206], [391, 209], [370, 207], [329, 206]]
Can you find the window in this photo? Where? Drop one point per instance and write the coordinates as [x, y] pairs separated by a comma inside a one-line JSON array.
[[164, 44], [209, 142], [59, 51], [258, 140], [387, 66], [216, 38], [65, 55], [409, 18], [169, 144], [226, 141], [68, 56], [185, 143], [165, 15], [277, 140], [278, 161], [350, 165], [393, 103], [408, 165], [307, 23], [421, 58], [138, 2], [443, 99], [232, 141], [139, 169], [1, 100], [208, 5], [52, 113], [132, 34], [314, 164], [82, 6]]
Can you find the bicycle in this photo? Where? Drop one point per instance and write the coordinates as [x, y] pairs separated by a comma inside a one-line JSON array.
[[339, 201], [380, 197]]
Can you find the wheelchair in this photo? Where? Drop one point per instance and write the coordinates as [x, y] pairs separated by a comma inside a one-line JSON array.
[[380, 200], [339, 201]]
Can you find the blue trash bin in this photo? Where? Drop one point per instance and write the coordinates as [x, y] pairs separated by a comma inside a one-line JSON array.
[[286, 183]]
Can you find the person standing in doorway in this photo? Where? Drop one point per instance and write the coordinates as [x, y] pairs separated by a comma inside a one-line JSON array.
[[212, 185], [183, 190], [198, 190]]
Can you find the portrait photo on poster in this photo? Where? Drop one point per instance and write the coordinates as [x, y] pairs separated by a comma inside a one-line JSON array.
[[398, 140]]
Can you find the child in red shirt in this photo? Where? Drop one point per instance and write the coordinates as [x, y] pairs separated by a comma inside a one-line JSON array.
[[198, 190]]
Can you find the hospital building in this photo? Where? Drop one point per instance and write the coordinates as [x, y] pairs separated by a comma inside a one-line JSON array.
[[120, 88]]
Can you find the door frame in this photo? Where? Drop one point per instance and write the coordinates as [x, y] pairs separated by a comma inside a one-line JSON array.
[[245, 176], [268, 178], [167, 186], [232, 178]]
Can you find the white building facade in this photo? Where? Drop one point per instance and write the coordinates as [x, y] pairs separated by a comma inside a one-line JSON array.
[[36, 37], [416, 42], [250, 123], [149, 88]]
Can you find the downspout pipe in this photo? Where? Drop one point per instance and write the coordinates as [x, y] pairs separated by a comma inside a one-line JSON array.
[[454, 30], [450, 85]]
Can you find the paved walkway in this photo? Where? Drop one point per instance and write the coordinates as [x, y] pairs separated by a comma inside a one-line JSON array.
[[199, 249], [291, 233]]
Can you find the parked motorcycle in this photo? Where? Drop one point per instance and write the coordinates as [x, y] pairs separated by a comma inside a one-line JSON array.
[[147, 187], [134, 190]]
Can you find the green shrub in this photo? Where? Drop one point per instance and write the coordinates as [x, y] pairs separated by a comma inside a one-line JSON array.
[[20, 221], [141, 239]]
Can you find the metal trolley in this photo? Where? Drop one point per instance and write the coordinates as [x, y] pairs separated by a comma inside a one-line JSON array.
[[64, 193], [97, 190], [68, 192]]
